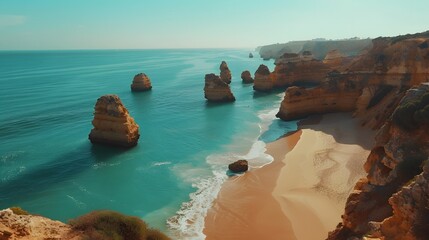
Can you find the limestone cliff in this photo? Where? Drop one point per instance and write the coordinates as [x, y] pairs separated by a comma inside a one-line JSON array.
[[336, 94], [392, 202], [299, 69], [216, 90], [246, 77], [334, 58], [383, 74], [19, 226], [141, 82], [112, 123], [225, 73], [263, 80]]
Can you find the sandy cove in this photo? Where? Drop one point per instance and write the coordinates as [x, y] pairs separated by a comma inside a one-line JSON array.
[[302, 194]]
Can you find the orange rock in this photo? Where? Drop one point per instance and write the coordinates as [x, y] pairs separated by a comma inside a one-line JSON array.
[[263, 81], [141, 82], [216, 90], [112, 123], [225, 73]]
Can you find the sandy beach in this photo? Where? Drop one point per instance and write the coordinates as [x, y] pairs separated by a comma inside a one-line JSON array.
[[301, 195]]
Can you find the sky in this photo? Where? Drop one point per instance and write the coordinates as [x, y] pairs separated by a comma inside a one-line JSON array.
[[147, 24]]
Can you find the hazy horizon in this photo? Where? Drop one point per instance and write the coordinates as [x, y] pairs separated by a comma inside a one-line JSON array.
[[162, 24]]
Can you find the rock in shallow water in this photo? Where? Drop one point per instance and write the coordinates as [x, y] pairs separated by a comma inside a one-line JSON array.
[[239, 166], [112, 123], [141, 82], [247, 78], [216, 90], [225, 73]]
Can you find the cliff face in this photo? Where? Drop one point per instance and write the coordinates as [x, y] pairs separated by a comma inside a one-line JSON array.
[[216, 90], [263, 80], [393, 200], [336, 94], [225, 73], [383, 74], [26, 227], [141, 82], [333, 58], [112, 123], [299, 69]]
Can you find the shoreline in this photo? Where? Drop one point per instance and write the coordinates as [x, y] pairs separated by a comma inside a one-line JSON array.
[[307, 184]]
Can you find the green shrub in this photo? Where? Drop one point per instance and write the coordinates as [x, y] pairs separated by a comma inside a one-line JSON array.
[[19, 211], [110, 225], [413, 113]]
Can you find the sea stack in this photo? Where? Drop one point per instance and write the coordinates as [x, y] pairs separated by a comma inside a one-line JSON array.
[[246, 77], [263, 81], [113, 125], [225, 73], [250, 55], [141, 83], [216, 90]]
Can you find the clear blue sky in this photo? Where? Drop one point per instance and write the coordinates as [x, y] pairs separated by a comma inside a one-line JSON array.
[[118, 24]]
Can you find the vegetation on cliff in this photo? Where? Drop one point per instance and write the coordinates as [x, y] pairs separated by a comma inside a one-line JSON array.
[[110, 225]]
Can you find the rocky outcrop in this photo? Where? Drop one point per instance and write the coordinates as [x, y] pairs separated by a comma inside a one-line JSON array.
[[382, 75], [239, 166], [225, 73], [246, 77], [263, 81], [336, 94], [334, 58], [141, 82], [299, 69], [112, 123], [29, 227], [250, 55], [216, 90], [392, 202]]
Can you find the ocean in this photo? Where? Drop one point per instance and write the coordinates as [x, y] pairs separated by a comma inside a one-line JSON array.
[[49, 167]]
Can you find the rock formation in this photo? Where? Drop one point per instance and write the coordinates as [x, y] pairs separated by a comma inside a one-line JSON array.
[[216, 90], [263, 81], [246, 77], [333, 58], [141, 82], [26, 227], [112, 123], [239, 166], [381, 75], [250, 55], [299, 69], [225, 73], [334, 95], [392, 202]]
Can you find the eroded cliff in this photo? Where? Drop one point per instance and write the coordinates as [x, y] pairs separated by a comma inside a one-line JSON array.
[[392, 201]]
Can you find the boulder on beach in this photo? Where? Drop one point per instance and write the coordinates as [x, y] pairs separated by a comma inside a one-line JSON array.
[[239, 166], [141, 82], [112, 123], [216, 90]]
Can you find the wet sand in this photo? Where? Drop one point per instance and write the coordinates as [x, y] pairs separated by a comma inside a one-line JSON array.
[[301, 195]]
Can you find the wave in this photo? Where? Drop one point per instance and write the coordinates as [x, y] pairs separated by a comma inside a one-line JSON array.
[[188, 223]]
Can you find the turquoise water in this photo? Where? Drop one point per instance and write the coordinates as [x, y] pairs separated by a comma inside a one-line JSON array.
[[48, 166]]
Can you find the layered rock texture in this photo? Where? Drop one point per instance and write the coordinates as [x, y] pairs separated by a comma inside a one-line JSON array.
[[336, 94], [299, 69], [246, 77], [263, 80], [334, 58], [225, 73], [392, 202], [112, 123], [216, 90], [29, 227], [141, 83], [380, 77]]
